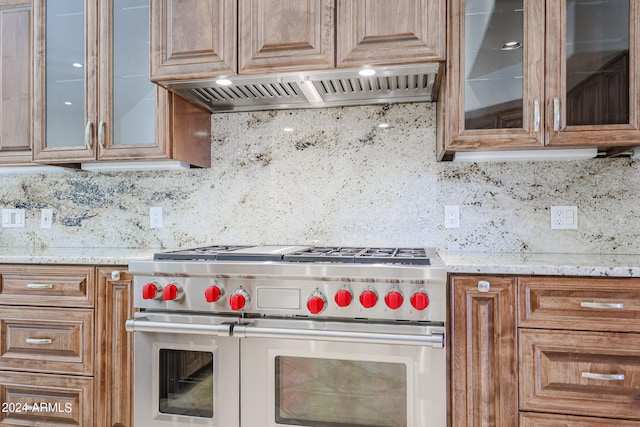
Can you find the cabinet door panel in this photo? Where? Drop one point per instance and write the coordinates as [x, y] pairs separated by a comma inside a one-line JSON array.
[[15, 111], [483, 352], [383, 32], [592, 68], [114, 363], [193, 39], [65, 80], [494, 90], [285, 35]]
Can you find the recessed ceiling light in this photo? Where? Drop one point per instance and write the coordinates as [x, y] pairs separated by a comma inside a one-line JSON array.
[[383, 125], [367, 72], [68, 103], [288, 129], [77, 65], [513, 45], [224, 82]]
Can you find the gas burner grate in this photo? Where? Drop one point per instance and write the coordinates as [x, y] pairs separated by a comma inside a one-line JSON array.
[[204, 253], [415, 256]]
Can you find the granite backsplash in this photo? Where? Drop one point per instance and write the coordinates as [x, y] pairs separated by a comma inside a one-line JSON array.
[[334, 177]]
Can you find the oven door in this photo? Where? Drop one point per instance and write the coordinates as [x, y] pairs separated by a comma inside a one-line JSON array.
[[186, 371], [335, 374]]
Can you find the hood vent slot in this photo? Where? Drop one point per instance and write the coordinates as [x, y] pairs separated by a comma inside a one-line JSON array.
[[319, 89]]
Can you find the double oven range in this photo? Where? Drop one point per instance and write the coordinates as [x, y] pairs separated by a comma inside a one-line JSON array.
[[268, 336]]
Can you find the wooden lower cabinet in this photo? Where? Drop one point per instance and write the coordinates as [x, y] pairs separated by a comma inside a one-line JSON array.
[[65, 356], [31, 399], [484, 379], [114, 360], [540, 351], [546, 420]]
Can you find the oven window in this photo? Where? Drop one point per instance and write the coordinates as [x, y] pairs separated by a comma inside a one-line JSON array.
[[340, 393], [186, 383]]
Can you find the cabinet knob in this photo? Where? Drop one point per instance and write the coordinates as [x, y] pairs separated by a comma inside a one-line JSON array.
[[115, 275], [484, 286]]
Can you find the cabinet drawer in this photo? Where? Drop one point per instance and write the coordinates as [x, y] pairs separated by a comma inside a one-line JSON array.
[[54, 340], [552, 420], [580, 373], [60, 285], [45, 400], [580, 303]]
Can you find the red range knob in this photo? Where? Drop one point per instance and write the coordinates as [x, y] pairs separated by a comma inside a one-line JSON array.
[[368, 299], [393, 300], [316, 303], [170, 292], [343, 297], [420, 300], [239, 300], [212, 293], [150, 291]]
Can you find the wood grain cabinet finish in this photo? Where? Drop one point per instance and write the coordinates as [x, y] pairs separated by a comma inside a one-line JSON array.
[[484, 383], [287, 35], [164, 129], [570, 95], [580, 373], [193, 39], [591, 304], [15, 82], [55, 340], [373, 32], [42, 285], [46, 400], [114, 360], [546, 420]]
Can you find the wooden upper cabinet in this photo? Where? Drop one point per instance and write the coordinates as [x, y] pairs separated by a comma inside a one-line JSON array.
[[494, 92], [372, 32], [15, 82], [287, 35], [593, 64], [193, 38], [93, 100], [534, 73]]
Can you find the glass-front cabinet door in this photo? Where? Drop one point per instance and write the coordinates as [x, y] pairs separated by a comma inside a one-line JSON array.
[[592, 72], [94, 100], [494, 87]]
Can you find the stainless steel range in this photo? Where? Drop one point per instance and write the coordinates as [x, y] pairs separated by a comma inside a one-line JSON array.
[[240, 336]]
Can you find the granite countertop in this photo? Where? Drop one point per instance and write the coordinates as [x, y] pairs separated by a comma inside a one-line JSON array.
[[543, 264], [456, 262], [90, 256]]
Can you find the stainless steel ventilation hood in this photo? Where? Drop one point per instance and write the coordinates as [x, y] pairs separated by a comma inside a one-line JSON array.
[[332, 88]]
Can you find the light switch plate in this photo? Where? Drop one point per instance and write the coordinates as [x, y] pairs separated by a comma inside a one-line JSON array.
[[564, 217], [13, 218]]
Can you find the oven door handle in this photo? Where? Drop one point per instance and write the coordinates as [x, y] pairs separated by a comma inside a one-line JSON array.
[[142, 324], [249, 331]]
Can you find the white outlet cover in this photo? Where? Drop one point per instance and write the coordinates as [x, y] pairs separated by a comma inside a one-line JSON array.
[[46, 218], [452, 216], [564, 217]]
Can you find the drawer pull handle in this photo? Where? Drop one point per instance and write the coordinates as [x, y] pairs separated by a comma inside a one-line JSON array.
[[39, 286], [588, 304], [603, 377], [41, 341]]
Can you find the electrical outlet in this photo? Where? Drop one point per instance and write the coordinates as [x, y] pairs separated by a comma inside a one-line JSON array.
[[452, 216], [46, 218], [564, 217], [155, 217], [13, 218]]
